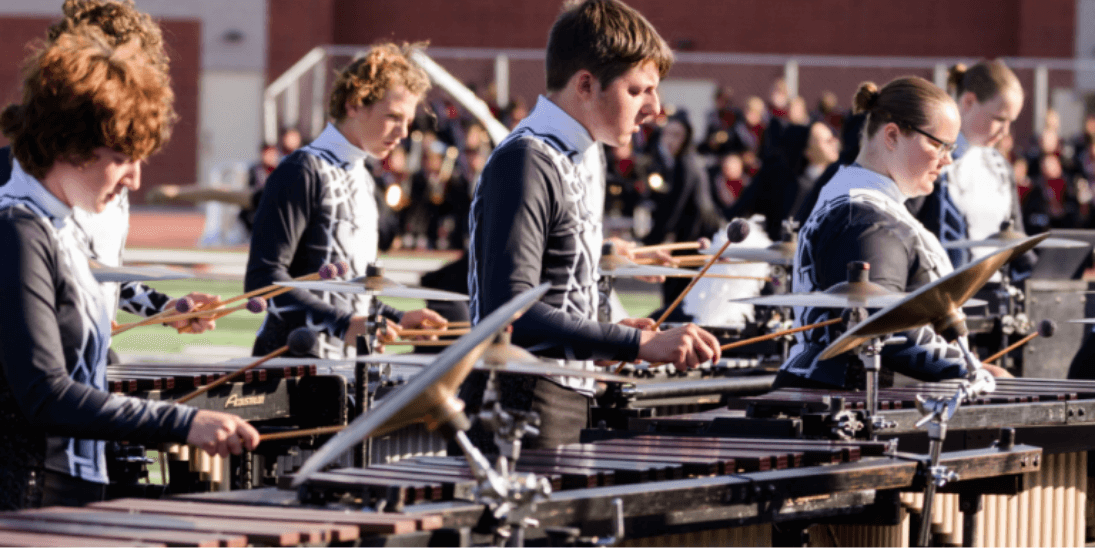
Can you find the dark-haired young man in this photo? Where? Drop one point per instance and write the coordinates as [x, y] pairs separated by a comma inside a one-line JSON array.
[[536, 213]]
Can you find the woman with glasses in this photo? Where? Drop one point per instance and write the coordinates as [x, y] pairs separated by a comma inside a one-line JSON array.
[[907, 141], [977, 193]]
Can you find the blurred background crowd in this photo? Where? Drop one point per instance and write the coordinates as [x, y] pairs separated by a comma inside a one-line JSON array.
[[676, 182]]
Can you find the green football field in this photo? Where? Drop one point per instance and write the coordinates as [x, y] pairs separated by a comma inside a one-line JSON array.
[[238, 329]]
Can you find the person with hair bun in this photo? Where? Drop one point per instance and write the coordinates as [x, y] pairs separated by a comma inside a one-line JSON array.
[[977, 194], [910, 131], [90, 113], [318, 207]]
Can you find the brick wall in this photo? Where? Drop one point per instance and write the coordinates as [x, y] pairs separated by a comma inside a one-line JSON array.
[[839, 27], [177, 162], [295, 28]]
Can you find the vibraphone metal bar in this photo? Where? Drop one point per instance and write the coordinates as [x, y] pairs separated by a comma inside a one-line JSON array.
[[126, 378], [181, 523], [273, 397], [727, 366], [1027, 405], [669, 391]]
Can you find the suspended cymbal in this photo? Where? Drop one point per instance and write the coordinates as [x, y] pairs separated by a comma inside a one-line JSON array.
[[1083, 320], [622, 267], [1009, 236], [502, 353], [384, 290], [937, 303], [430, 395], [779, 253], [420, 360], [508, 358], [122, 274], [857, 291], [825, 300], [517, 364], [375, 283], [541, 367]]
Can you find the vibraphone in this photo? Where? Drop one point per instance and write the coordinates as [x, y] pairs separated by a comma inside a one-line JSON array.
[[382, 379], [669, 391], [273, 397], [283, 394], [1055, 415]]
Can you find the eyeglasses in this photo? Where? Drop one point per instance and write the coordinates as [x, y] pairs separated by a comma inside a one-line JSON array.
[[945, 148]]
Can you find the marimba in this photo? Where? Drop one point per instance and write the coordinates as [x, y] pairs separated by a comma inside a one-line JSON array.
[[671, 490], [667, 490], [179, 522], [1054, 415]]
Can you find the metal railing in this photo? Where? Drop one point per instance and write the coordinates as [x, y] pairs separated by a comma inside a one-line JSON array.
[[302, 89]]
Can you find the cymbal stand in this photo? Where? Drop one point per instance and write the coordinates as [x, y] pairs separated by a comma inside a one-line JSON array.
[[871, 354], [508, 426], [376, 325], [936, 413], [511, 496], [1014, 319]]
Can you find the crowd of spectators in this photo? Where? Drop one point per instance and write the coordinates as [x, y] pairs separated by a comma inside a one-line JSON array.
[[677, 183]]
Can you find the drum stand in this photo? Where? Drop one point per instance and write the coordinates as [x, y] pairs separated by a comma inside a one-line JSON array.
[[936, 413]]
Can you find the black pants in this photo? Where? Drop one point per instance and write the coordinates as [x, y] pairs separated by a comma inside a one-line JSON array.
[[65, 490], [563, 412]]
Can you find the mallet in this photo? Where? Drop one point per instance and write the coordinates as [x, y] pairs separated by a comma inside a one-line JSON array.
[[301, 341]]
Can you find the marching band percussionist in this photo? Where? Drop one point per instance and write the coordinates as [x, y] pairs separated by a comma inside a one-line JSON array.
[[977, 193], [908, 138], [104, 234], [536, 213], [55, 334], [318, 206]]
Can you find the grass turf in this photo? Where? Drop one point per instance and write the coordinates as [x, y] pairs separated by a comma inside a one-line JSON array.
[[238, 329]]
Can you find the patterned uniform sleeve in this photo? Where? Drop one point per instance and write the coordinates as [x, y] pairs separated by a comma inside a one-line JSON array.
[[290, 195], [33, 357], [512, 218], [925, 355], [137, 298]]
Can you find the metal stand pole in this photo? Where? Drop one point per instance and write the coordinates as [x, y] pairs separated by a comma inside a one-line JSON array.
[[938, 476], [970, 504]]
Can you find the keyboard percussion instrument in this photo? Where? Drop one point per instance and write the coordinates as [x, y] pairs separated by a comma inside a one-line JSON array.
[[710, 456]]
